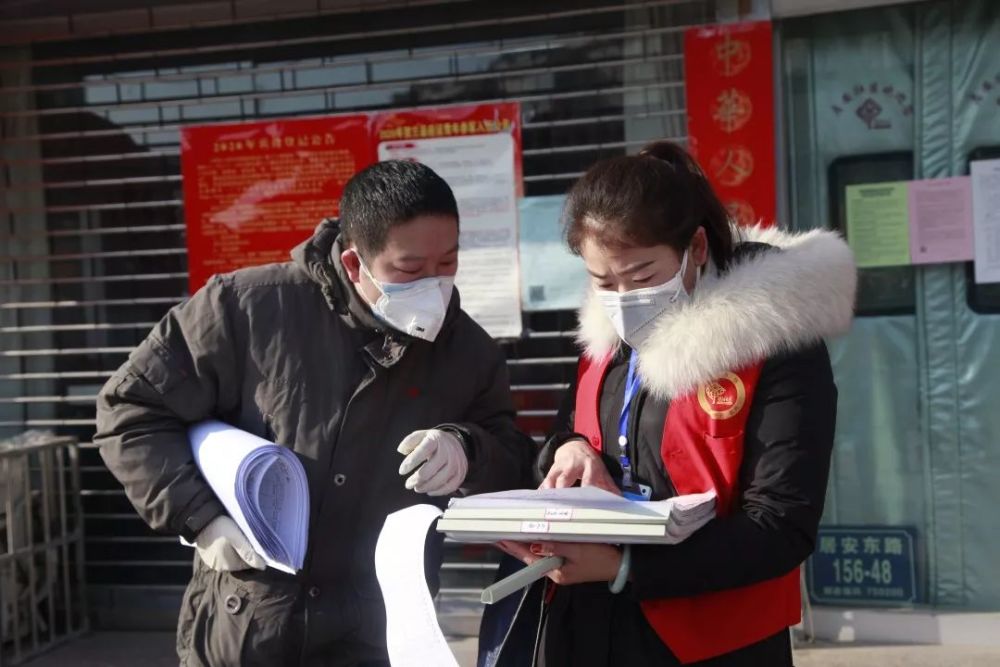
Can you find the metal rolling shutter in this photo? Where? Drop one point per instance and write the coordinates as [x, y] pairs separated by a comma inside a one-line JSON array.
[[92, 248]]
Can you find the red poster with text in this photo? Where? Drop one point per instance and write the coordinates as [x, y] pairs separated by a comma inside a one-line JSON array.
[[729, 80], [252, 191]]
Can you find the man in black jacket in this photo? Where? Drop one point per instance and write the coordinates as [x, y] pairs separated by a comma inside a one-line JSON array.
[[356, 355]]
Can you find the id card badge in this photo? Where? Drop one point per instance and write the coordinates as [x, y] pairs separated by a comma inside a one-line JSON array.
[[639, 493]]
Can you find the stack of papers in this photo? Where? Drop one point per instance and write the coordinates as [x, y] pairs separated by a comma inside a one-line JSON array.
[[263, 487], [578, 514]]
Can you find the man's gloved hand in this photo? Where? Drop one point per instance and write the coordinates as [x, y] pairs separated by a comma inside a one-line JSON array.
[[439, 460], [223, 547]]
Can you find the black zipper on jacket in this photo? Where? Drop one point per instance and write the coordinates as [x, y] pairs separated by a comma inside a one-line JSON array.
[[366, 380]]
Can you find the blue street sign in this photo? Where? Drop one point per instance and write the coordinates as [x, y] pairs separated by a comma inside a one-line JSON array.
[[864, 564]]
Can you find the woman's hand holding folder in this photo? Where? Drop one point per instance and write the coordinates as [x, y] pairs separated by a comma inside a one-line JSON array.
[[582, 562]]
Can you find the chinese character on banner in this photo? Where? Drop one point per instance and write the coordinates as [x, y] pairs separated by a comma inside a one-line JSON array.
[[741, 212], [849, 545], [732, 166], [872, 545], [731, 55], [732, 110], [730, 89]]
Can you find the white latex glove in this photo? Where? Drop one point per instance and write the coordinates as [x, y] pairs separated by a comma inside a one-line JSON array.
[[223, 547], [443, 460]]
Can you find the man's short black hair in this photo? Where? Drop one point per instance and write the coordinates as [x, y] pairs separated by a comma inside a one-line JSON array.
[[388, 194]]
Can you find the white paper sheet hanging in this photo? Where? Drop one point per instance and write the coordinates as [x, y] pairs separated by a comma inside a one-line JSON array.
[[413, 635], [986, 219], [263, 487]]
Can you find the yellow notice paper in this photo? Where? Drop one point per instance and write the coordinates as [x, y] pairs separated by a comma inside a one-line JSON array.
[[878, 225]]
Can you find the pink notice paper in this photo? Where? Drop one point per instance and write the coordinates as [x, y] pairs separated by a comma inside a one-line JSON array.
[[941, 220]]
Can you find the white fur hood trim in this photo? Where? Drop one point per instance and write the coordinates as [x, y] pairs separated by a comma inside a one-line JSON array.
[[769, 303]]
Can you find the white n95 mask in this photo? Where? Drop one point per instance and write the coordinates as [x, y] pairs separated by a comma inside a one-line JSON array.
[[632, 313], [416, 308]]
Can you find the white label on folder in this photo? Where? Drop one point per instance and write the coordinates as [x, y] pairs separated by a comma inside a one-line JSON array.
[[534, 526], [559, 513]]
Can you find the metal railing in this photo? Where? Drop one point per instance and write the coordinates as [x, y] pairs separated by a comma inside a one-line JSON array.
[[42, 588]]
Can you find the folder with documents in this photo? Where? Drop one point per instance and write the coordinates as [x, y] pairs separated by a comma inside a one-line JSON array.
[[263, 487], [579, 514], [492, 530]]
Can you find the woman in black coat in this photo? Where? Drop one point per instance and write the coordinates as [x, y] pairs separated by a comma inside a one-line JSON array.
[[704, 368]]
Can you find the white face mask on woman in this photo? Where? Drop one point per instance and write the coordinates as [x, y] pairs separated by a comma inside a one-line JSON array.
[[417, 308], [632, 313]]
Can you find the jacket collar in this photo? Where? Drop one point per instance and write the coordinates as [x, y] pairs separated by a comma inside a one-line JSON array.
[[319, 257], [796, 292]]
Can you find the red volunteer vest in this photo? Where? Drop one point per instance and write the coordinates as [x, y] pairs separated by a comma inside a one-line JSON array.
[[702, 449]]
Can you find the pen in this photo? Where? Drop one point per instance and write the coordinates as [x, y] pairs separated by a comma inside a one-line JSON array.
[[520, 579]]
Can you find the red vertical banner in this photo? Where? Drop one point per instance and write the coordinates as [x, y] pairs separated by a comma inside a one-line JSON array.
[[252, 191], [729, 80]]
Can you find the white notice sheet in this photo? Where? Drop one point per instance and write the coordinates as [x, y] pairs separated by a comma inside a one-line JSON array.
[[480, 170], [986, 216]]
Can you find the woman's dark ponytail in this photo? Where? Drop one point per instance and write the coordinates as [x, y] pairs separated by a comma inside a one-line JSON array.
[[660, 196]]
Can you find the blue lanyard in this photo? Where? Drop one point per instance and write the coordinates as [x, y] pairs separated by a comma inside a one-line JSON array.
[[631, 389]]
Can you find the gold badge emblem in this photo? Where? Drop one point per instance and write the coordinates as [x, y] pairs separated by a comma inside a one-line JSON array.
[[724, 397]]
